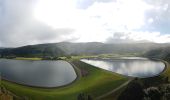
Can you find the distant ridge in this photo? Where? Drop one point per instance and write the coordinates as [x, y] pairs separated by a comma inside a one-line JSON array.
[[67, 48]]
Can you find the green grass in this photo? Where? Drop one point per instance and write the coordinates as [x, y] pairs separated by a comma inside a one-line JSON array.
[[146, 82], [96, 83], [23, 58], [82, 56], [115, 95], [167, 71]]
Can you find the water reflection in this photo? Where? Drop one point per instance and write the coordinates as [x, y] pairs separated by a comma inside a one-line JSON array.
[[130, 67], [37, 73]]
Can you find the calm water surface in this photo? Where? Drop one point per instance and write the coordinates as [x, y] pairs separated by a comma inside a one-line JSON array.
[[37, 73], [136, 67]]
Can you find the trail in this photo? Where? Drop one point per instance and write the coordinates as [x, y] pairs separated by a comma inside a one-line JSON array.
[[114, 90]]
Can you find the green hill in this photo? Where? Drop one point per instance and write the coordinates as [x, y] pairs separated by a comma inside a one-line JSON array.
[[90, 48], [160, 53]]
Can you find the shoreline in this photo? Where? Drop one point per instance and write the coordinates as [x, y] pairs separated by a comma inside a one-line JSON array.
[[128, 76], [77, 72]]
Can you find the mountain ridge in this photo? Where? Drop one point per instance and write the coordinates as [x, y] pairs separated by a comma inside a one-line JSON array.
[[89, 48]]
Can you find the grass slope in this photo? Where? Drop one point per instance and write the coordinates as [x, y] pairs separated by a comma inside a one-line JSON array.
[[95, 83], [166, 73], [160, 82], [23, 58]]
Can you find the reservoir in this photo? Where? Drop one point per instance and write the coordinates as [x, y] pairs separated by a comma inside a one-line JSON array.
[[37, 73], [129, 66]]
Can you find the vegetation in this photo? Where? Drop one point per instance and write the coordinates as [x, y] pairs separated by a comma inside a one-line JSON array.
[[91, 48], [5, 94], [160, 53], [23, 58], [91, 84], [115, 95], [153, 88]]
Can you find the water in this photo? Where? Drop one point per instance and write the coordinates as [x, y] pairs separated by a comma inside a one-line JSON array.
[[135, 67], [37, 73]]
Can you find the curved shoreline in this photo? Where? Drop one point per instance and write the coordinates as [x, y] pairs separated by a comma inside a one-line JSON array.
[[129, 76], [77, 72], [112, 92], [165, 67]]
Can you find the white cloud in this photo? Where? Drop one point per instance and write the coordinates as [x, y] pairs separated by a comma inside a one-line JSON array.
[[128, 15], [96, 23], [82, 21], [129, 37], [18, 27]]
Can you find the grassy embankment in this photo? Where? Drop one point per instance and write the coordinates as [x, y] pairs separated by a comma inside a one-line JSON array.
[[157, 81], [22, 58], [94, 83], [167, 71]]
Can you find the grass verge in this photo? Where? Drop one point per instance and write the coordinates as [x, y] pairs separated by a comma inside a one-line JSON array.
[[23, 58]]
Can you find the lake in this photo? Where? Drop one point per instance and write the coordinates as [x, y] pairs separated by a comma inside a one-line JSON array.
[[37, 73], [129, 66]]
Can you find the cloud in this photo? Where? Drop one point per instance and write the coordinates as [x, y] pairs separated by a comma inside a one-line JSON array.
[[18, 27], [132, 21], [157, 18], [24, 22], [84, 4], [119, 37], [138, 37]]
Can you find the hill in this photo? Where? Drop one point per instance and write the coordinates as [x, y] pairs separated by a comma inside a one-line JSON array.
[[160, 53], [90, 48]]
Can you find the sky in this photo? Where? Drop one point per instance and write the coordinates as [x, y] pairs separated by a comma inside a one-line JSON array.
[[27, 22]]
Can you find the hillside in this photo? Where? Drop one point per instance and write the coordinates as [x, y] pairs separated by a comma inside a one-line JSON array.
[[160, 53], [90, 48]]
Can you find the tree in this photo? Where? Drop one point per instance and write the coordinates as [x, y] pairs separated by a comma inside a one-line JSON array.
[[134, 91], [153, 93]]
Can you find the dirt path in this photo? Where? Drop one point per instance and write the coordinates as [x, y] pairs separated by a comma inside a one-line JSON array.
[[114, 90]]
